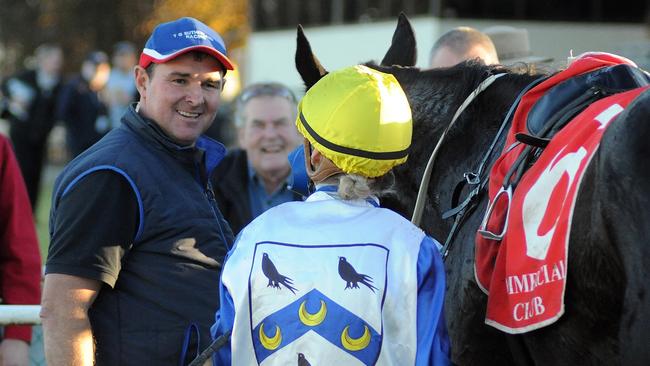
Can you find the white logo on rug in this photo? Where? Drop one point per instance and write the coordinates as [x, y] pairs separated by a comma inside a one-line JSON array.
[[537, 200], [606, 116]]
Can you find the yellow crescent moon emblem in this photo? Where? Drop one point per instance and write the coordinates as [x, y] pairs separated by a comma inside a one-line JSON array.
[[273, 342], [358, 344], [312, 320]]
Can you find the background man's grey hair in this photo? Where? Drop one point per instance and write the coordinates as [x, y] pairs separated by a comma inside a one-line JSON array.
[[261, 90], [462, 40]]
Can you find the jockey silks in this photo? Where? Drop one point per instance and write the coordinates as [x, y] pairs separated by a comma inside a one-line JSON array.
[[332, 281]]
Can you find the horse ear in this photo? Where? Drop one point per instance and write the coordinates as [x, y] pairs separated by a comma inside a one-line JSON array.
[[402, 51], [307, 64]]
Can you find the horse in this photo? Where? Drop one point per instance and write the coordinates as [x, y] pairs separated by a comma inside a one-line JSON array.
[[607, 304]]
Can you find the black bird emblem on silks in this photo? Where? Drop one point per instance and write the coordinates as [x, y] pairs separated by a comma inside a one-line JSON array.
[[302, 361], [275, 278], [351, 277]]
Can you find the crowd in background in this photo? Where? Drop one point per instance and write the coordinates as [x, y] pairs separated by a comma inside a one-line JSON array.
[[92, 102]]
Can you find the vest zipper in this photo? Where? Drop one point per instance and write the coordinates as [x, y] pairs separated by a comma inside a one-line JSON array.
[[212, 202]]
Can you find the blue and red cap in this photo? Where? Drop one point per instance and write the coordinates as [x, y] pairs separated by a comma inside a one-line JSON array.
[[172, 39]]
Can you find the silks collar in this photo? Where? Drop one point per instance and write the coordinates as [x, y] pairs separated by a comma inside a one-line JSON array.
[[332, 191]]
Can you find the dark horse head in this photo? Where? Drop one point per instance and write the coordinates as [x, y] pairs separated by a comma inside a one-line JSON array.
[[607, 303]]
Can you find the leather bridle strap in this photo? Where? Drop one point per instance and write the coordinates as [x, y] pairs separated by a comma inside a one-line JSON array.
[[424, 185], [477, 179]]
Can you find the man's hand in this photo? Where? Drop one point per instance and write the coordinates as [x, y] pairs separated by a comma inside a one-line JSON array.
[[14, 352]]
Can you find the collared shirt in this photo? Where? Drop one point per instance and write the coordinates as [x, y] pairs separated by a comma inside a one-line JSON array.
[[262, 201]]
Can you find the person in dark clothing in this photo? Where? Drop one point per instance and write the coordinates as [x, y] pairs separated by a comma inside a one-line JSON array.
[[253, 179], [81, 106], [137, 239], [31, 100], [20, 260]]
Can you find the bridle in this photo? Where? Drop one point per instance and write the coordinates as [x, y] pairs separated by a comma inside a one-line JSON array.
[[474, 178], [424, 185]]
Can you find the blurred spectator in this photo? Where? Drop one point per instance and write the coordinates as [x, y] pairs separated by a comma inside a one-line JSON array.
[[81, 106], [31, 100], [120, 88], [222, 127], [512, 45], [20, 261], [460, 44], [250, 180]]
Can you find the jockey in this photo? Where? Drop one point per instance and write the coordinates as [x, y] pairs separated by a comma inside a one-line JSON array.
[[336, 279]]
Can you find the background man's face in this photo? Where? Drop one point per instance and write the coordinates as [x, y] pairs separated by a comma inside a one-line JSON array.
[[269, 134], [446, 57], [52, 62], [182, 96], [125, 61]]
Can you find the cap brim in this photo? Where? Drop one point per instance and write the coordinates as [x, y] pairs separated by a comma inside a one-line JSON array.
[[148, 56]]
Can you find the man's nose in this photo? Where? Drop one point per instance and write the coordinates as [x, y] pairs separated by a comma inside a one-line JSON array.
[[194, 94], [270, 130]]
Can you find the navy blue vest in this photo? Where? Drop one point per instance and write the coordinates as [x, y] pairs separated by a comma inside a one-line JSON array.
[[169, 279]]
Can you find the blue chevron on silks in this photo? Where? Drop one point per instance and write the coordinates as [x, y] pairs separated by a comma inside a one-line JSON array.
[[323, 319]]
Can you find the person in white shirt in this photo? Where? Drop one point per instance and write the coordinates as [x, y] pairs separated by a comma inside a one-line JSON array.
[[336, 279]]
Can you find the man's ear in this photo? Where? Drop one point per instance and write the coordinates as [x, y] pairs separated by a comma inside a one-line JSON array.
[[141, 79]]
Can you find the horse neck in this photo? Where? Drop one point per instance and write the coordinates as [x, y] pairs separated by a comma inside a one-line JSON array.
[[466, 143]]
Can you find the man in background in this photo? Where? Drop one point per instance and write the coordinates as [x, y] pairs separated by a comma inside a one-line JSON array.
[[252, 179], [120, 89], [513, 46], [460, 44], [31, 101], [82, 105]]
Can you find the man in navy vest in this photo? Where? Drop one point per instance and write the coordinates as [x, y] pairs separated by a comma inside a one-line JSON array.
[[137, 240]]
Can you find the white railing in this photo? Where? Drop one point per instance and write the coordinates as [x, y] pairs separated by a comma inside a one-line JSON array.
[[20, 314]]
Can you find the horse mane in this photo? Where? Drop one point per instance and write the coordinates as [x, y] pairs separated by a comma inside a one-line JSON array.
[[434, 96], [435, 92]]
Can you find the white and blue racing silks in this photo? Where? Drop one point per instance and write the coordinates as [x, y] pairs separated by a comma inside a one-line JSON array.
[[332, 282]]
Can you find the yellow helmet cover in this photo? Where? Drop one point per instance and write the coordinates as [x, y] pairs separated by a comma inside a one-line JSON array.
[[359, 118]]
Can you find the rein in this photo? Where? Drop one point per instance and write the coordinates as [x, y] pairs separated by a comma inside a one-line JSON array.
[[424, 185], [472, 178], [212, 348]]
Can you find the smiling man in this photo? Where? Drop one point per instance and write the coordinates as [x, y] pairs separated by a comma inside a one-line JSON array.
[[253, 179], [137, 239]]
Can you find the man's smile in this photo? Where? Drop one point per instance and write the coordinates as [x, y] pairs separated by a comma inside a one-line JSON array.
[[189, 114]]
